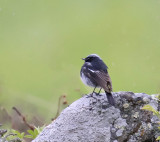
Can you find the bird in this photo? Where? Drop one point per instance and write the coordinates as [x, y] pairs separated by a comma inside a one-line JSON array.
[[94, 73]]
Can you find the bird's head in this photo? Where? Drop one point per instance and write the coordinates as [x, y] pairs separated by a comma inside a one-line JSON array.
[[92, 57]]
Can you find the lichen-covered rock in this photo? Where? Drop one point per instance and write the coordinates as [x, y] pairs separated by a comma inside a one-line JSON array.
[[92, 119]]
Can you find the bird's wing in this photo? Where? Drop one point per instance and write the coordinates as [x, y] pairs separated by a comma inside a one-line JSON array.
[[102, 79]]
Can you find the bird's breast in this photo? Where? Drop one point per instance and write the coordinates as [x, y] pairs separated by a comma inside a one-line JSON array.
[[86, 80]]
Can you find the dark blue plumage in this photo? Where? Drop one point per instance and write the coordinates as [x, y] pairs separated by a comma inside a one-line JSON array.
[[94, 73]]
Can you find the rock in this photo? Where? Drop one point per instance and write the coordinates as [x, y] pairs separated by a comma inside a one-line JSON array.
[[4, 135], [92, 119]]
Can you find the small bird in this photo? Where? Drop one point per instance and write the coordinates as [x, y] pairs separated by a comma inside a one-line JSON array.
[[94, 73]]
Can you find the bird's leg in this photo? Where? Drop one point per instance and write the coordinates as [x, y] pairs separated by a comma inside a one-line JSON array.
[[99, 91], [91, 95], [93, 91]]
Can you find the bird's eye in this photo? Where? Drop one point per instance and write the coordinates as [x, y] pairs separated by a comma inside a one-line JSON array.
[[88, 59]]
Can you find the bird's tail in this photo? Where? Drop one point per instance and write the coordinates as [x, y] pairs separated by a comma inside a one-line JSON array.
[[110, 98]]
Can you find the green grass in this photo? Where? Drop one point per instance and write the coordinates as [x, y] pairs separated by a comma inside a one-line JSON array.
[[41, 43]]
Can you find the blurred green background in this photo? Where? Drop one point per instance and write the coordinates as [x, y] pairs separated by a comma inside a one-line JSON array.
[[42, 43]]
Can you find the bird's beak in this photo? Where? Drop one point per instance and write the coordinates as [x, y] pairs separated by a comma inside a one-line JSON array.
[[83, 58]]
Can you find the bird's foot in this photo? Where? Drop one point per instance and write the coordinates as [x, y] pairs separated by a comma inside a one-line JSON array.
[[98, 94], [91, 95], [88, 96]]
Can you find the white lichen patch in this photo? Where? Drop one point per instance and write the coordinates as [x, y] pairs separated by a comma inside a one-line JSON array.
[[126, 105], [136, 115], [120, 123], [149, 126], [146, 99]]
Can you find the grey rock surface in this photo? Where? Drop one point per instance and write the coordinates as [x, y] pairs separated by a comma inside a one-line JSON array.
[[92, 119]]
